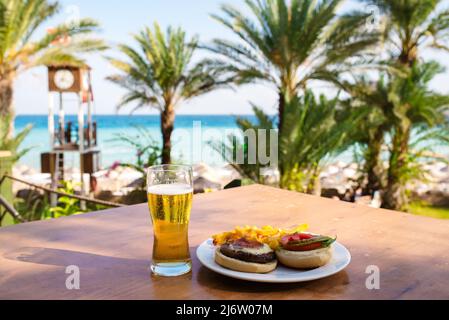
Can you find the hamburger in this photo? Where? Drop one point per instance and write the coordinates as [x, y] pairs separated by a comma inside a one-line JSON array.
[[246, 256], [305, 251]]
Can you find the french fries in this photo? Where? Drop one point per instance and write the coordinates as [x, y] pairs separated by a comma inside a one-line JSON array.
[[267, 234]]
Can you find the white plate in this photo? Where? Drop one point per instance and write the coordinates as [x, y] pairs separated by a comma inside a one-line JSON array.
[[340, 260]]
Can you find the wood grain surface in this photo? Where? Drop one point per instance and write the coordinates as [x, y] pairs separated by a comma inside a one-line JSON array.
[[113, 251]]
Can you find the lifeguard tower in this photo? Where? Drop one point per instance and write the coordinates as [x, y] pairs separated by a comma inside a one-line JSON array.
[[66, 136]]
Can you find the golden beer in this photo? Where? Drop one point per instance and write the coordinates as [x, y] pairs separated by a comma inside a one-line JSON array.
[[170, 206]]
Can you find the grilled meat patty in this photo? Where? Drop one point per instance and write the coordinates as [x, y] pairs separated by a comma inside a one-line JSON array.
[[237, 251]]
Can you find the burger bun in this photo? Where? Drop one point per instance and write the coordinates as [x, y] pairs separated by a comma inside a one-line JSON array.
[[304, 259], [243, 266]]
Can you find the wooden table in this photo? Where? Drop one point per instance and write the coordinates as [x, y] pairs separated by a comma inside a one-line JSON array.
[[113, 249]]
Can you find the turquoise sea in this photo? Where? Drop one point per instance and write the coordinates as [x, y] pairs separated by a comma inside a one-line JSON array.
[[188, 147], [212, 126]]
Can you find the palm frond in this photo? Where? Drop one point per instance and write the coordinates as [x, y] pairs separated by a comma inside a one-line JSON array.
[[12, 144], [67, 55], [237, 146], [158, 71], [286, 44], [64, 44]]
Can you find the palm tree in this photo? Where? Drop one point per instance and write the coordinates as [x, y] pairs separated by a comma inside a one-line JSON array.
[[414, 106], [312, 134], [369, 135], [19, 22], [287, 43], [410, 26], [160, 74], [236, 145]]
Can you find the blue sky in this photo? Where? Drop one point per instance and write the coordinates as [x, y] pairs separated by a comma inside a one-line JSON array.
[[119, 19]]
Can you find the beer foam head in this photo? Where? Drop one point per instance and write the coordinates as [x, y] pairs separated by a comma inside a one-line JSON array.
[[170, 189]]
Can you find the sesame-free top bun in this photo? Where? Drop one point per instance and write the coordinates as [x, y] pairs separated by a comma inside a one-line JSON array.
[[304, 259], [243, 266]]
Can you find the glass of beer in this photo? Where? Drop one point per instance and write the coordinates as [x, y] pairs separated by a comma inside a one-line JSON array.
[[170, 193]]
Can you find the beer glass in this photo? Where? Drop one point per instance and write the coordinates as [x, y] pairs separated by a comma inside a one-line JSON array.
[[170, 192]]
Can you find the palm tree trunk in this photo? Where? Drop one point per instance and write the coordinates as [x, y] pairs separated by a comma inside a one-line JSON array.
[[314, 183], [394, 196], [285, 96], [373, 163], [6, 103], [167, 126], [281, 111]]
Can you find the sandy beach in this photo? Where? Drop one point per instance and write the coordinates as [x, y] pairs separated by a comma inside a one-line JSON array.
[[336, 180]]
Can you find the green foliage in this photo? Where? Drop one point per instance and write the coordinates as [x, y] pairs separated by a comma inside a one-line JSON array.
[[33, 207], [412, 25], [400, 100], [12, 144], [423, 146], [36, 205], [426, 210], [312, 134], [66, 206], [368, 136], [286, 44], [146, 149], [414, 103], [160, 72], [19, 50], [414, 106], [250, 170], [396, 104]]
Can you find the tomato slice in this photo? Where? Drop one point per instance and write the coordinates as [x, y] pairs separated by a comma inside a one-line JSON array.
[[290, 242], [309, 247], [295, 237]]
